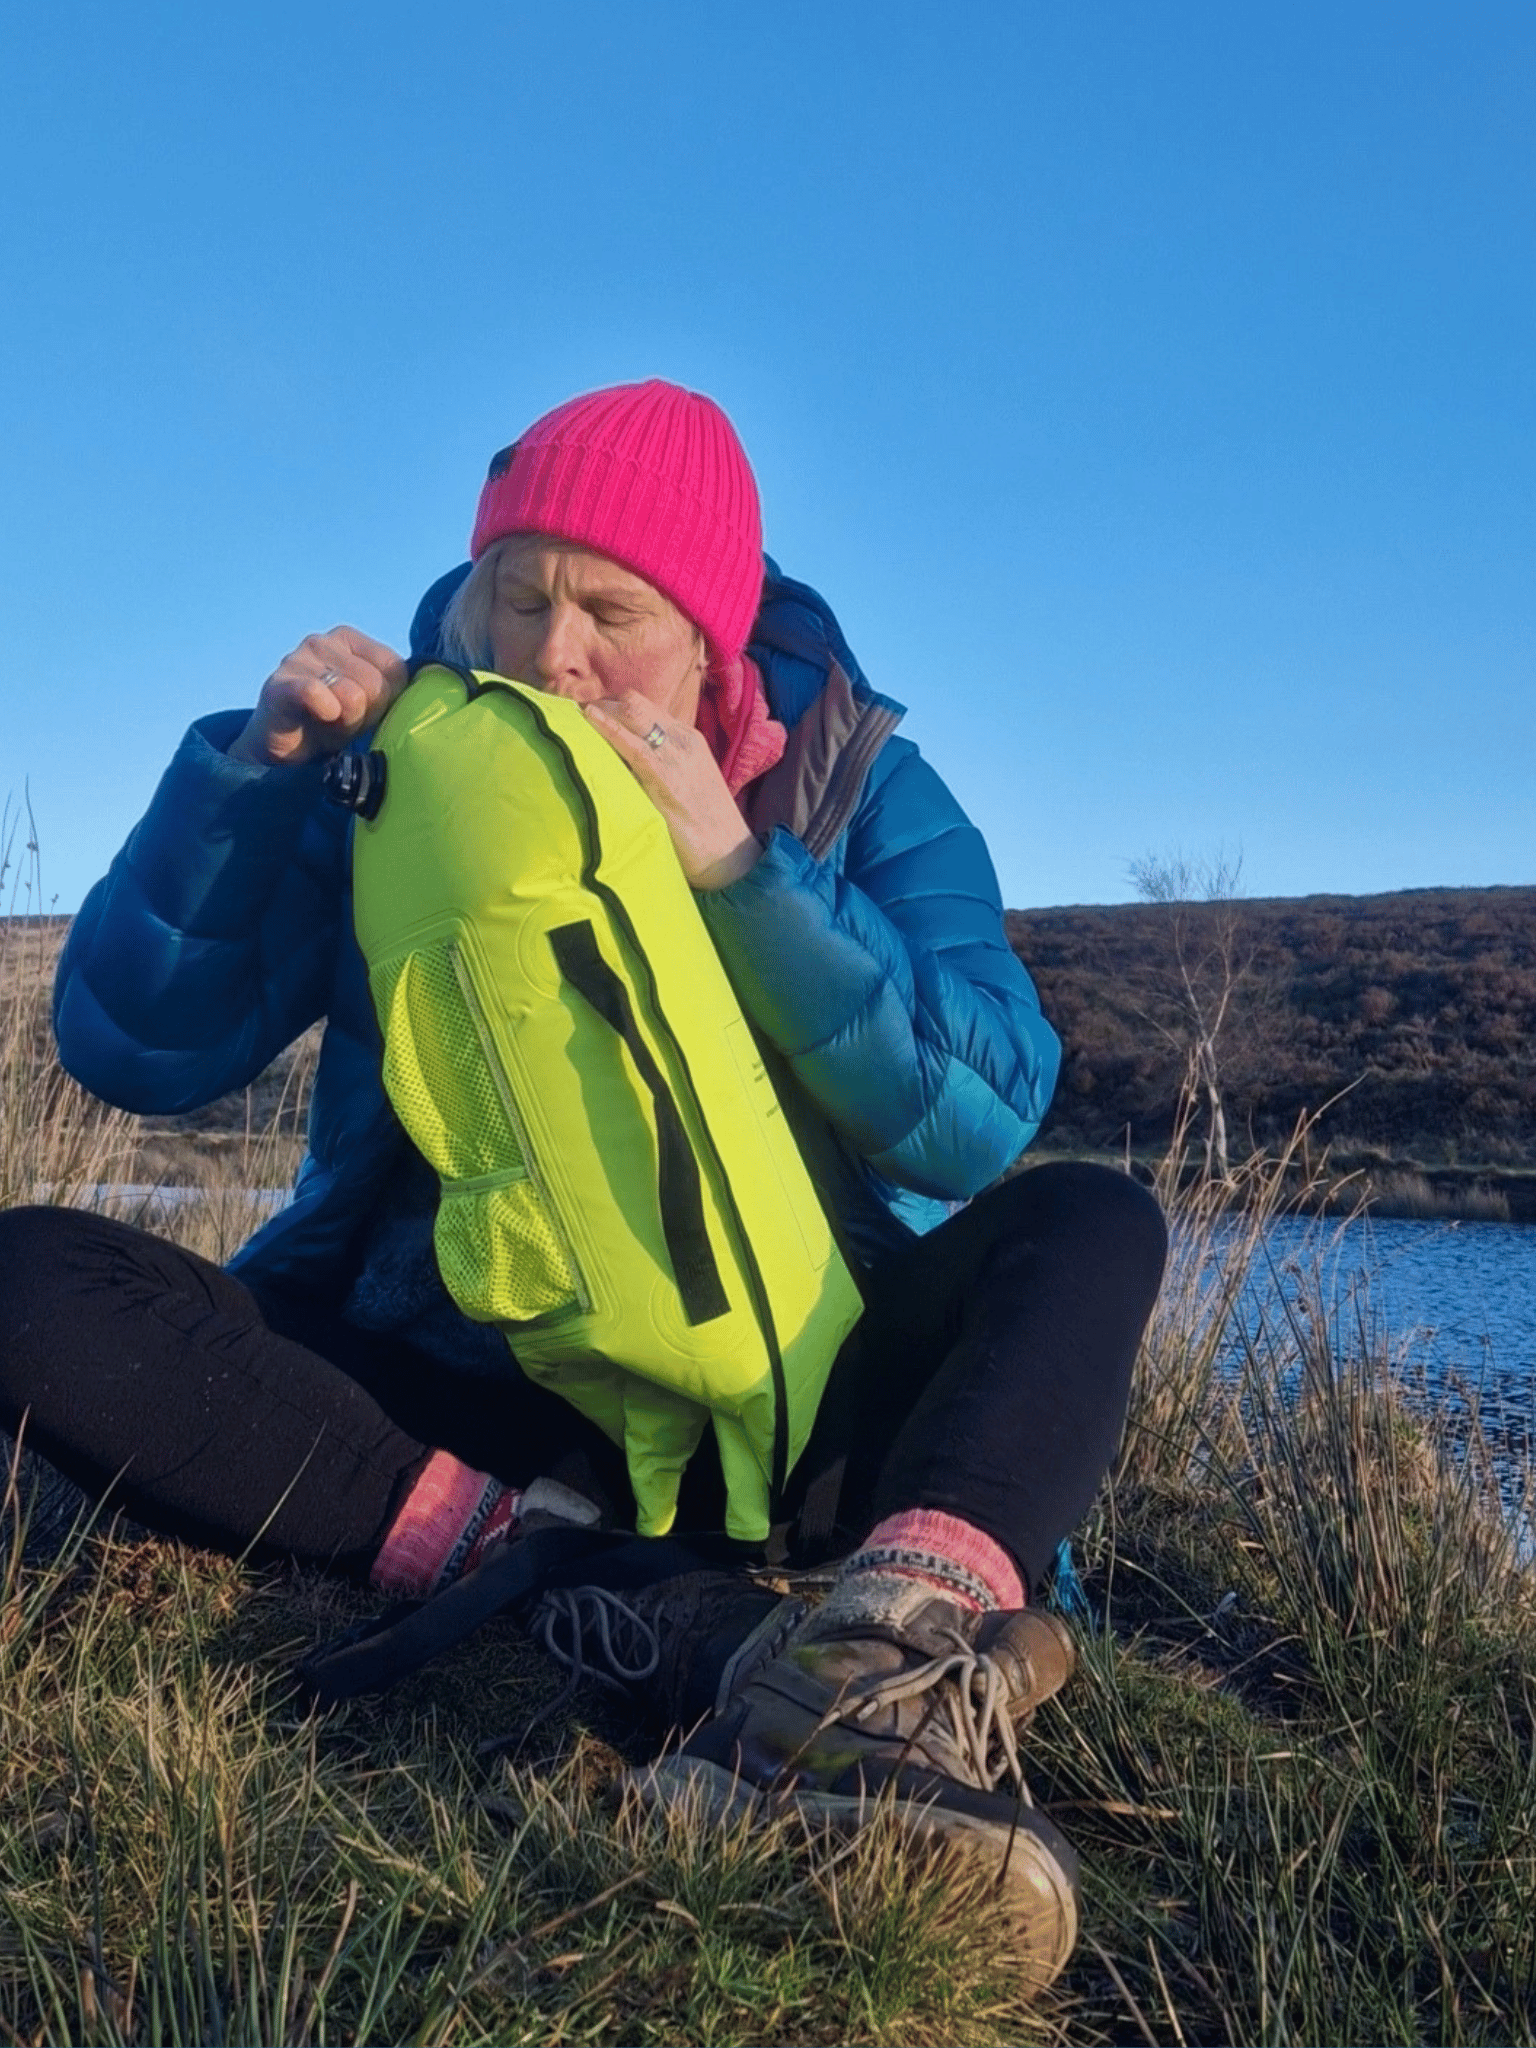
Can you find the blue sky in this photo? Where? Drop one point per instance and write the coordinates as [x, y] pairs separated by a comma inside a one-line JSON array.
[[1149, 387]]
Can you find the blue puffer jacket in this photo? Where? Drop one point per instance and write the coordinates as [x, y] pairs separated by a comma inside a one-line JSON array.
[[866, 946]]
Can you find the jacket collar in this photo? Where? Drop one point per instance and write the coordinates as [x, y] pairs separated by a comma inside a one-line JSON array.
[[837, 723], [815, 788]]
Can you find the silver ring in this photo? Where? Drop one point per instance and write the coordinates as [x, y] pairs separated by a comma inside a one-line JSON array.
[[656, 737], [330, 675]]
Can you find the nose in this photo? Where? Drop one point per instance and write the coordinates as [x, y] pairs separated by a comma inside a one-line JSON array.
[[560, 658]]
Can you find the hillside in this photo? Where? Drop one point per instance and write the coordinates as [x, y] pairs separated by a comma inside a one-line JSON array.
[[1407, 1021]]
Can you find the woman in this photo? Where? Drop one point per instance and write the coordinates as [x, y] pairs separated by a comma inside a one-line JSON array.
[[324, 1398]]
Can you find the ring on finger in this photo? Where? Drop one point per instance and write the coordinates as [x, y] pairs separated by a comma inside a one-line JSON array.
[[329, 676], [656, 738]]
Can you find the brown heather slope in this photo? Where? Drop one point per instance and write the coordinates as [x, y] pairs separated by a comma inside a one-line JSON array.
[[1408, 1021], [1413, 1015]]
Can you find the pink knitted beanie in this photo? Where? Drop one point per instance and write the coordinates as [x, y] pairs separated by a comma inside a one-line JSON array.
[[653, 477]]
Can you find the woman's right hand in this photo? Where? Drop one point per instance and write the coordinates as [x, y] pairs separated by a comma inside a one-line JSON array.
[[332, 687]]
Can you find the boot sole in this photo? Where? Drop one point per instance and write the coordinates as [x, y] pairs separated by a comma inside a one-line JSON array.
[[1033, 1866]]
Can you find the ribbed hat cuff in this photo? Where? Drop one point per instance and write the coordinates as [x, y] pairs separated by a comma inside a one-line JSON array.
[[641, 520]]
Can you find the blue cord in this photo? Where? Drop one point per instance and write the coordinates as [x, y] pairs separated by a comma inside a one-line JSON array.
[[1067, 1595]]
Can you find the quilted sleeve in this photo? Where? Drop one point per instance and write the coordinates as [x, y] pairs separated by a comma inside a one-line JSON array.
[[891, 989], [208, 945]]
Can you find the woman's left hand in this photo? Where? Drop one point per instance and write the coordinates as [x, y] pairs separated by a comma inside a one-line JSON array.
[[673, 765]]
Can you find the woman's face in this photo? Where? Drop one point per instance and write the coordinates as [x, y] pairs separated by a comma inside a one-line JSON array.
[[571, 622]]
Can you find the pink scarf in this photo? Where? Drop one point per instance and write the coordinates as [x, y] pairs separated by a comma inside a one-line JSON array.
[[734, 718]]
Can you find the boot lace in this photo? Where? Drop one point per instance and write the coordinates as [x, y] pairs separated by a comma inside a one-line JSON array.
[[970, 1697], [596, 1634]]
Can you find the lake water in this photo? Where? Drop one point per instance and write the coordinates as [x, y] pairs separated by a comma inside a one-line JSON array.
[[1453, 1303]]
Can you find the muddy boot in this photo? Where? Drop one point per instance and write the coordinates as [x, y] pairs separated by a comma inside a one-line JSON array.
[[916, 1701]]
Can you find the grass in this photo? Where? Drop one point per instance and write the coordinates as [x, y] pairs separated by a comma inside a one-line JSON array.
[[1298, 1757]]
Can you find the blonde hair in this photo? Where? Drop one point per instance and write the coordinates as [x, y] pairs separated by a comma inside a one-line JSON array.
[[465, 632], [464, 635]]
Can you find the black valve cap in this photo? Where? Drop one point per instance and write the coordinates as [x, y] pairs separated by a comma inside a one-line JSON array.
[[355, 782]]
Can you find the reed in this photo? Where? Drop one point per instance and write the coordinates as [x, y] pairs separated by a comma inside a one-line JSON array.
[[56, 1142], [1299, 1758]]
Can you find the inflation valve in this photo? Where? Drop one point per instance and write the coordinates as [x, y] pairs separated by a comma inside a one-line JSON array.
[[355, 782]]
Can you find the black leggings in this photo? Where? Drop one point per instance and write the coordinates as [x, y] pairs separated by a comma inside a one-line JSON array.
[[988, 1377]]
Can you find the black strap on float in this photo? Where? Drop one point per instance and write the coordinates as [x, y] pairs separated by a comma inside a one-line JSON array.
[[678, 1187], [403, 1638]]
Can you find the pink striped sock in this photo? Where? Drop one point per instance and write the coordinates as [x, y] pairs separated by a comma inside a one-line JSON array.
[[440, 1524], [954, 1557]]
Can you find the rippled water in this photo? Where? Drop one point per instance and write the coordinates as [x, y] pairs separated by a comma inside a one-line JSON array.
[[1452, 1304], [1457, 1299]]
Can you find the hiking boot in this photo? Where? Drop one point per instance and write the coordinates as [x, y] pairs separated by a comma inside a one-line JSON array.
[[918, 1704]]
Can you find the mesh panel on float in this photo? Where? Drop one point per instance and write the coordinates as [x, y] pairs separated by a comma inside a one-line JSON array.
[[439, 1080], [506, 1265], [446, 1097]]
